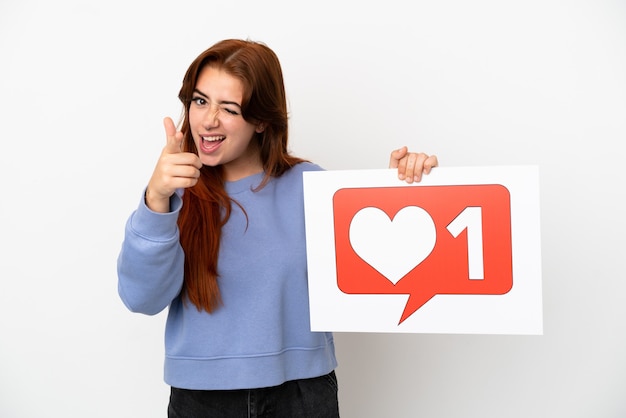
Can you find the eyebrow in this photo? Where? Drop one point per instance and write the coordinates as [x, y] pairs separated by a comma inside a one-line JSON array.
[[227, 102]]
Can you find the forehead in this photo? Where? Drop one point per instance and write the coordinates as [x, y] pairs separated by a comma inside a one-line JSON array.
[[218, 84]]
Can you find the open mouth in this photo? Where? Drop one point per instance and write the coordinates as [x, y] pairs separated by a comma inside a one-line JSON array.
[[211, 143]]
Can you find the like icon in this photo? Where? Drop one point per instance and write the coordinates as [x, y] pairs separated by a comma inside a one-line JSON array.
[[460, 241]]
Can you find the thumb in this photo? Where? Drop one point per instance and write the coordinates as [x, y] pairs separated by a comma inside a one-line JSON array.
[[396, 155], [174, 138]]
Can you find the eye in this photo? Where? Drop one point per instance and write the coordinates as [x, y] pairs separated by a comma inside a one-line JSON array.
[[199, 101], [230, 111]]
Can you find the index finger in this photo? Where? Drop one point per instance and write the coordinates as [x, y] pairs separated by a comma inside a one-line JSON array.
[[174, 139]]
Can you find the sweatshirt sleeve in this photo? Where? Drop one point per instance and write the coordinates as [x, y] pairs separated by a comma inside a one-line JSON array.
[[150, 265]]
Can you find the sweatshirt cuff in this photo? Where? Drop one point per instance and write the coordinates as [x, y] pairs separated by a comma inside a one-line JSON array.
[[157, 225]]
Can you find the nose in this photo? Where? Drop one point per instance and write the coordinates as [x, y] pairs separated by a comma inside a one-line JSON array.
[[211, 118]]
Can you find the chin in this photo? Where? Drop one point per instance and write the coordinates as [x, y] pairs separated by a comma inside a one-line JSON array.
[[209, 162]]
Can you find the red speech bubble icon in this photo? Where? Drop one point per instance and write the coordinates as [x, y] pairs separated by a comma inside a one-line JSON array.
[[423, 241]]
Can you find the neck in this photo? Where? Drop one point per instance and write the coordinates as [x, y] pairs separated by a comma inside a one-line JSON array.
[[244, 166]]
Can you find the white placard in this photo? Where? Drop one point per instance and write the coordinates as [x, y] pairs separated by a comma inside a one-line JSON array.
[[458, 252]]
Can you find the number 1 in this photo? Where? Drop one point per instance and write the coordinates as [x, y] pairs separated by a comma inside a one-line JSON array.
[[470, 219]]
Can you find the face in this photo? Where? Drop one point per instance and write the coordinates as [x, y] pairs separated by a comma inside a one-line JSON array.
[[220, 133]]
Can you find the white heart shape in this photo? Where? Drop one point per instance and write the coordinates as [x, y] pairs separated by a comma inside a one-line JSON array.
[[393, 247]]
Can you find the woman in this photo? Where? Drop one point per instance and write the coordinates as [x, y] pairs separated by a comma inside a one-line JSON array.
[[218, 238]]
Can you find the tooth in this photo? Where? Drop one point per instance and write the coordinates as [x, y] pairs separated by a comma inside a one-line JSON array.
[[213, 138]]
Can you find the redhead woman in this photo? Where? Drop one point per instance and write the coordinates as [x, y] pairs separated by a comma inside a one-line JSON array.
[[218, 239]]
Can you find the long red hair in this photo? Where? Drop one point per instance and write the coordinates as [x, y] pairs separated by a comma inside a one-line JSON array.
[[206, 206]]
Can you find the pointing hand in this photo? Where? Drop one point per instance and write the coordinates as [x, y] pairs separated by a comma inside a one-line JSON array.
[[175, 169]]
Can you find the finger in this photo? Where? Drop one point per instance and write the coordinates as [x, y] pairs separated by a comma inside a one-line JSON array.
[[418, 166], [174, 138], [411, 167], [185, 158], [184, 172], [430, 162], [396, 156], [174, 171], [196, 161]]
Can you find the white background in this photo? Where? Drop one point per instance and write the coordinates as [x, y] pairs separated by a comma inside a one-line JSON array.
[[84, 87]]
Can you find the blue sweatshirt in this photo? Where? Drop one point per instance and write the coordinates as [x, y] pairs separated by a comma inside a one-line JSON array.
[[261, 335]]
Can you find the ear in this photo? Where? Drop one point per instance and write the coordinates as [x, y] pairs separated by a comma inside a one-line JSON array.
[[260, 127]]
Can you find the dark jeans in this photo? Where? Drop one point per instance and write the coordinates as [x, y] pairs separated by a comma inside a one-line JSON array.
[[304, 398]]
